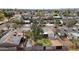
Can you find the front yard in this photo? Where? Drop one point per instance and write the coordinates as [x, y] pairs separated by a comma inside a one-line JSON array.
[[43, 42]]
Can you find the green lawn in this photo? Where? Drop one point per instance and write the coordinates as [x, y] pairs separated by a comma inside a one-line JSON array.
[[43, 42]]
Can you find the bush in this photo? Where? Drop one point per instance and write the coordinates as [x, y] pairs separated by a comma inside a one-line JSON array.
[[28, 34]]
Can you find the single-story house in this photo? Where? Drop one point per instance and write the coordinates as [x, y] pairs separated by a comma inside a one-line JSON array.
[[10, 41], [48, 33]]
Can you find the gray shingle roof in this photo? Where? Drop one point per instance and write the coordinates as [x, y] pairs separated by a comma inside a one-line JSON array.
[[15, 40]]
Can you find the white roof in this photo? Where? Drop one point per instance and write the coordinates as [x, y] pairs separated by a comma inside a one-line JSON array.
[[50, 25], [56, 17], [77, 24], [45, 32], [75, 34], [48, 32], [26, 20]]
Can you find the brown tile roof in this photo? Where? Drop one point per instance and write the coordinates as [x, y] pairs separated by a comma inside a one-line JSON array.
[[56, 43]]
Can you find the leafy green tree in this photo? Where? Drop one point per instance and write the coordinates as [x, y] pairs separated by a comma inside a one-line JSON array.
[[17, 20], [28, 34], [36, 30], [39, 13], [57, 22], [8, 14]]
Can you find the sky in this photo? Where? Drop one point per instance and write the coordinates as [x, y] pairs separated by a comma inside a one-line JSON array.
[[39, 4]]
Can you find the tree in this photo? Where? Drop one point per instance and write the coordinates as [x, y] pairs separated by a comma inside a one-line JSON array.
[[28, 34], [56, 11], [41, 21], [36, 30], [8, 14], [16, 21], [55, 29], [1, 16], [71, 22], [40, 13], [15, 25], [67, 13], [57, 22]]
